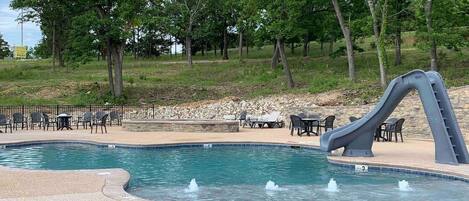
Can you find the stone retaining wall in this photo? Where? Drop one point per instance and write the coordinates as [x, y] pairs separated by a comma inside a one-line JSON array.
[[410, 108], [202, 126]]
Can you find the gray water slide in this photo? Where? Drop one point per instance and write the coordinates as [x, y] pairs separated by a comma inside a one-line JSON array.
[[357, 137]]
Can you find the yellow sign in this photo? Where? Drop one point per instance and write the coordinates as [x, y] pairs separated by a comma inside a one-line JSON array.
[[20, 52]]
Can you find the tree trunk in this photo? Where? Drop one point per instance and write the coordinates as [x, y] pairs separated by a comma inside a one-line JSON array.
[[305, 48], [275, 56], [379, 40], [215, 49], [203, 49], [54, 48], [225, 43], [189, 51], [61, 57], [348, 41], [283, 56], [118, 50], [240, 46], [331, 46], [247, 47], [428, 16], [134, 44], [109, 67], [398, 40], [292, 47]]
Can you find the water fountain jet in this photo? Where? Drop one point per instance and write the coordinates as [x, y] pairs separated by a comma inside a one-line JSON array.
[[271, 186], [404, 186], [332, 186], [193, 187]]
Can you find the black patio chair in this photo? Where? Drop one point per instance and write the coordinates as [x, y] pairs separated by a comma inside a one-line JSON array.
[[49, 121], [395, 128], [19, 118], [384, 131], [327, 123], [36, 119], [100, 122], [98, 115], [242, 118], [115, 116], [302, 115], [85, 120], [352, 118], [5, 122], [297, 123]]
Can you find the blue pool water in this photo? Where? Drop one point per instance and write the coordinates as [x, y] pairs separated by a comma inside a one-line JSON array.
[[233, 173]]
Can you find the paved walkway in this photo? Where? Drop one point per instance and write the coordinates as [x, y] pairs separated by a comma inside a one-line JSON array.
[[16, 184]]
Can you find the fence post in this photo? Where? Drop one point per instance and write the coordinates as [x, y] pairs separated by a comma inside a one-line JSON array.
[[153, 111], [57, 110], [90, 108], [22, 110]]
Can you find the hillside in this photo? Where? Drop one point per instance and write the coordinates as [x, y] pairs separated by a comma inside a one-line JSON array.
[[166, 80]]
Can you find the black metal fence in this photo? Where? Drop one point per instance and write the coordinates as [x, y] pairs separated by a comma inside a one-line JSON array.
[[53, 110]]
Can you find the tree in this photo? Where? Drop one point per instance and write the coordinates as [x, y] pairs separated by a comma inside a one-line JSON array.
[[428, 18], [441, 23], [348, 40], [184, 14], [280, 20], [246, 23], [4, 48], [379, 29], [103, 23], [398, 22], [54, 19]]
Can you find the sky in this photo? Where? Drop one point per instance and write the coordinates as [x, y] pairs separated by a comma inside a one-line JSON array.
[[11, 30]]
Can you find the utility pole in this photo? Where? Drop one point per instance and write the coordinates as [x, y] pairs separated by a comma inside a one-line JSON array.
[[21, 27]]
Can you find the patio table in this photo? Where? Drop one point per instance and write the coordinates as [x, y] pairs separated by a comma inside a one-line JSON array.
[[63, 121], [309, 124]]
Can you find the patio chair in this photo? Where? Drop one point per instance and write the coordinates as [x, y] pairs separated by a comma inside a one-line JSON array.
[[302, 115], [385, 133], [99, 122], [115, 116], [298, 124], [327, 123], [98, 115], [36, 119], [396, 128], [48, 122], [85, 120], [5, 122], [242, 118], [352, 118], [19, 118]]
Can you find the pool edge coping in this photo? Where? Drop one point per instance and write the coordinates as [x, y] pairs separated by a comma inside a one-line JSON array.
[[115, 185]]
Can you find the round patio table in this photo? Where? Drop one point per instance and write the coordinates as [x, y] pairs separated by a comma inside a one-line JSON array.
[[64, 122], [309, 124]]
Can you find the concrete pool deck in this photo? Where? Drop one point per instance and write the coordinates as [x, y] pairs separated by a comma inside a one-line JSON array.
[[19, 184]]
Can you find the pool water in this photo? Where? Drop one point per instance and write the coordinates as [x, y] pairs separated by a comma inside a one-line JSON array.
[[233, 173]]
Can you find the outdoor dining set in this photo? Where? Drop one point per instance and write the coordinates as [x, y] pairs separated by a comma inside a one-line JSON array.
[[61, 121], [308, 124], [302, 123]]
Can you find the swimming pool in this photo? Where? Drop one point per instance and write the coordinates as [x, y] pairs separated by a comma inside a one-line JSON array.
[[232, 172]]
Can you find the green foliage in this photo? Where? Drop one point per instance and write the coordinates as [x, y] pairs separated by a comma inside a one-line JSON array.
[[322, 84], [34, 82], [4, 48], [449, 24]]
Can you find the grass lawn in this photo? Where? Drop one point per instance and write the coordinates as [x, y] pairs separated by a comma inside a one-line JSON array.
[[166, 80]]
